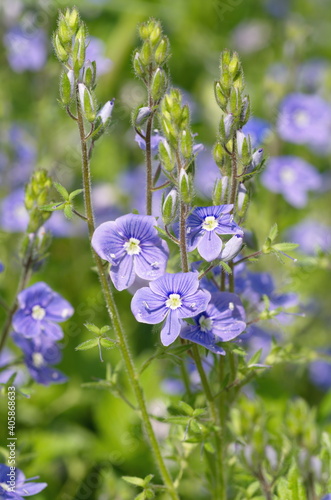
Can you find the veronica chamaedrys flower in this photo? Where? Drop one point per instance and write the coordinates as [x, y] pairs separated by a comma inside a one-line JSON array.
[[8, 368], [39, 311], [311, 236], [170, 298], [293, 177], [305, 119], [26, 50], [40, 354], [156, 138], [133, 247], [204, 225], [15, 486], [223, 320], [258, 129], [95, 52]]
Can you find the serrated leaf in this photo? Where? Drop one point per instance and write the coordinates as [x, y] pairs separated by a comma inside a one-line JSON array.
[[137, 481], [186, 408], [105, 329], [75, 193], [68, 211], [195, 427], [141, 496], [52, 207], [61, 190], [177, 420], [285, 247], [226, 267], [273, 232], [107, 343], [88, 344], [148, 479], [92, 328], [199, 411]]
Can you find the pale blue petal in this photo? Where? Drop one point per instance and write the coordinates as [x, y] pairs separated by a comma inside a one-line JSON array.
[[181, 283], [122, 275], [58, 309], [194, 304], [24, 323], [107, 242], [206, 339], [210, 246], [171, 328], [148, 307], [151, 263]]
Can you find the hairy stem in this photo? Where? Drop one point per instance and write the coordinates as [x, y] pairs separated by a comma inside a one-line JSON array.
[[115, 318]]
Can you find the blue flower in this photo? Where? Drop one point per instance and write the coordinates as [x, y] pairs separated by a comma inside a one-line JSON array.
[[95, 52], [14, 216], [15, 486], [25, 50], [40, 354], [207, 172], [320, 372], [223, 320], [156, 138], [133, 247], [312, 236], [170, 298], [39, 311], [203, 227], [8, 358], [258, 130], [292, 177]]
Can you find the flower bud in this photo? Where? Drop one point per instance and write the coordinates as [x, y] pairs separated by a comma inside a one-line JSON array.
[[245, 111], [142, 115], [235, 101], [257, 158], [186, 144], [78, 55], [226, 124], [146, 54], [89, 74], [106, 112], [86, 102], [220, 96], [242, 200], [169, 207], [159, 84], [67, 87], [185, 186], [72, 19], [220, 190], [37, 194], [64, 31], [234, 65], [137, 65], [166, 156], [156, 34], [60, 51], [161, 52], [231, 248], [219, 154]]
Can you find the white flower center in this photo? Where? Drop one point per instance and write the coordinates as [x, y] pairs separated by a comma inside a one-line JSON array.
[[205, 323], [132, 246], [287, 175], [174, 301], [38, 312], [37, 359], [231, 306], [209, 223], [301, 118]]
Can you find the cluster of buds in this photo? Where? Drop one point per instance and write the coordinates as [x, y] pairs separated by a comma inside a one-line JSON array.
[[78, 80], [37, 194], [149, 65]]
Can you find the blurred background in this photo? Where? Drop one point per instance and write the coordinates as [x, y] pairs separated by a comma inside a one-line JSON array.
[[81, 440]]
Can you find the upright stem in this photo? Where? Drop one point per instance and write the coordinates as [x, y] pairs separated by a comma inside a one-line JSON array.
[[149, 171], [114, 315], [234, 172]]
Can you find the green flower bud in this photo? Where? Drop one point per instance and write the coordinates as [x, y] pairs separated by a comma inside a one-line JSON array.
[[186, 144], [137, 65], [67, 86], [141, 115], [166, 156], [220, 97], [169, 207], [162, 51], [156, 34], [234, 66], [245, 111], [78, 55], [86, 102], [72, 19], [159, 84], [60, 51], [220, 191], [145, 29], [225, 58], [235, 102], [36, 195], [219, 154], [89, 74], [64, 31], [185, 186], [146, 54]]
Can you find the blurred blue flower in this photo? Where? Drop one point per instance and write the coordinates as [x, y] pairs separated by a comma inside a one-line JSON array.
[[311, 235], [293, 177], [305, 119], [206, 174], [40, 354], [169, 299], [256, 338], [223, 320], [20, 487], [311, 74], [39, 311], [320, 373], [156, 138], [2, 267], [205, 224], [251, 35], [133, 247], [257, 129], [95, 52], [7, 357], [13, 215], [25, 50], [18, 156]]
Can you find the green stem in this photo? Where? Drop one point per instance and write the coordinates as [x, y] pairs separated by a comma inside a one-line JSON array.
[[149, 172], [234, 183], [114, 315]]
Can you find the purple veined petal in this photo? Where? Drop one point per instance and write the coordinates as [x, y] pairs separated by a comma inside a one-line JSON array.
[[171, 328], [58, 309], [227, 305], [210, 246], [137, 226], [206, 339], [51, 330], [107, 242], [228, 330], [148, 307], [23, 323], [38, 294], [227, 226], [123, 275], [181, 283], [194, 304], [151, 263], [215, 210], [47, 375], [29, 489]]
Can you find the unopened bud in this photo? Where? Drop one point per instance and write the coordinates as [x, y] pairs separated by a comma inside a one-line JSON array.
[[169, 207], [146, 53], [185, 186], [166, 156], [159, 84], [67, 87], [186, 144], [86, 102], [106, 112], [226, 125], [235, 102], [245, 111], [231, 248], [73, 19], [234, 65], [156, 34], [137, 65], [89, 74], [161, 52], [220, 97], [78, 55], [242, 199], [60, 51], [219, 154], [257, 158], [220, 190]]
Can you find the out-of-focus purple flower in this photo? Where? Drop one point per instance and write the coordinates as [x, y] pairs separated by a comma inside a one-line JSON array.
[[170, 298], [320, 373], [312, 73], [256, 338], [312, 236], [13, 214], [133, 247], [39, 311], [327, 497], [277, 9], [305, 119], [95, 52], [25, 50], [223, 320], [15, 486], [105, 202], [40, 354], [207, 172], [2, 267], [251, 36], [258, 130], [156, 138], [8, 357], [204, 225], [293, 177]]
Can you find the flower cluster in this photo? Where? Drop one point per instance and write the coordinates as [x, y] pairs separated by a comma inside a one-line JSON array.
[[36, 330]]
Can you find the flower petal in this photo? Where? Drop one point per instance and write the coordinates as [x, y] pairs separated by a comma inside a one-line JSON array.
[[206, 339], [150, 264], [122, 275], [38, 294], [171, 328], [181, 283], [148, 307], [58, 309], [23, 323], [51, 330], [107, 242], [210, 246], [194, 304]]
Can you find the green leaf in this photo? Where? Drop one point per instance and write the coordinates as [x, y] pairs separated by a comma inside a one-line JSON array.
[[107, 343], [209, 447], [273, 232], [51, 207], [285, 247], [89, 344], [68, 211], [105, 329], [137, 481], [253, 488], [226, 267], [186, 408], [75, 193], [92, 328], [141, 496], [148, 479], [255, 358], [177, 420], [61, 190]]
